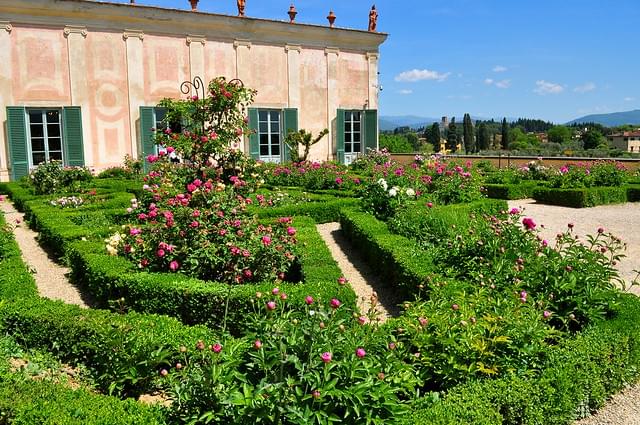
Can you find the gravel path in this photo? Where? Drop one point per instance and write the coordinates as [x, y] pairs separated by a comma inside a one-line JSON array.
[[51, 278], [363, 280], [622, 220]]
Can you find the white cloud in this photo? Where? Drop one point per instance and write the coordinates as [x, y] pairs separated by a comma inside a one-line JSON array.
[[546, 87], [405, 91], [501, 84], [500, 68], [629, 99], [587, 87], [421, 74]]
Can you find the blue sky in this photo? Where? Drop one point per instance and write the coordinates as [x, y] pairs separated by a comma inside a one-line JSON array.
[[549, 59]]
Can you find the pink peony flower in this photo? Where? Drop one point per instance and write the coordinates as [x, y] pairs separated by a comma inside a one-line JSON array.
[[362, 320], [529, 223], [360, 352], [514, 211], [455, 307], [342, 280], [134, 231], [315, 394], [160, 253], [266, 240], [275, 291], [335, 303], [546, 314], [216, 348], [291, 231], [174, 265], [326, 357], [430, 204], [257, 344], [308, 300], [271, 305]]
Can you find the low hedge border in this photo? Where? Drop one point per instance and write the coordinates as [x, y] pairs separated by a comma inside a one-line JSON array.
[[398, 260], [322, 210], [511, 191], [42, 402], [580, 375], [193, 301], [633, 193], [581, 197]]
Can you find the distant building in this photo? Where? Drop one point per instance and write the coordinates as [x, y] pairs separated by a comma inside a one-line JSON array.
[[627, 141]]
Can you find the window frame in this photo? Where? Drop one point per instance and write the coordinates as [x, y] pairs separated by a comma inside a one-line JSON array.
[[349, 123], [45, 134], [270, 133]]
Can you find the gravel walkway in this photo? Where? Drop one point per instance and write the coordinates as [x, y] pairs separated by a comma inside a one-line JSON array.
[[362, 279], [51, 278], [622, 220]]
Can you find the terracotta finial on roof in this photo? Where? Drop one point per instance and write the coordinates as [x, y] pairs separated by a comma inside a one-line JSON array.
[[331, 18], [292, 13], [194, 5]]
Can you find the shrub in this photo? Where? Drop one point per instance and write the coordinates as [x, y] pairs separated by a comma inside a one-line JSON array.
[[581, 197], [51, 177]]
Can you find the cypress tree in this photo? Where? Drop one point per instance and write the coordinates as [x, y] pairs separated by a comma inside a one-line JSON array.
[[484, 139], [434, 136], [505, 134], [452, 136], [469, 140]]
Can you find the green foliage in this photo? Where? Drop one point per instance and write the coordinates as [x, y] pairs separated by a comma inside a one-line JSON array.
[[396, 143], [469, 136], [51, 177], [433, 136], [523, 190], [505, 132], [559, 134], [484, 138], [452, 136], [301, 137], [303, 365], [132, 168], [581, 197]]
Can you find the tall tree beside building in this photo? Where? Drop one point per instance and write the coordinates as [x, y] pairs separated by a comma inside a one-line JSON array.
[[484, 138], [505, 134], [469, 139], [432, 135], [452, 136]]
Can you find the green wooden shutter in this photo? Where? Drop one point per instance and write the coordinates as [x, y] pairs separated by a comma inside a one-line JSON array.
[[254, 137], [17, 132], [290, 123], [147, 144], [340, 136], [72, 135], [371, 129]]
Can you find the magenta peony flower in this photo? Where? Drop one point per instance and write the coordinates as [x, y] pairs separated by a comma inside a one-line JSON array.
[[216, 348], [360, 352], [342, 280], [271, 305], [326, 357], [257, 344], [134, 231], [514, 211], [275, 291], [291, 231], [308, 300], [174, 265], [266, 240], [160, 253], [335, 303], [546, 314], [529, 223]]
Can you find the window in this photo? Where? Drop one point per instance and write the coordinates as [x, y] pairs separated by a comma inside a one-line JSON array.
[[36, 135], [45, 135], [269, 133], [352, 132]]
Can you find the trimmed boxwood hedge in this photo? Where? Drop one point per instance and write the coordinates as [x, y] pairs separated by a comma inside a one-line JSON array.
[[633, 193], [398, 260], [578, 377], [193, 301], [511, 191], [581, 197]]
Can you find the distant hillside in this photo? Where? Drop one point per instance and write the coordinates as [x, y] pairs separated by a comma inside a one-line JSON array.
[[611, 120], [388, 123]]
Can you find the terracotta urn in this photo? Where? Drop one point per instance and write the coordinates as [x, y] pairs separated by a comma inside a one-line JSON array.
[[292, 14], [331, 18], [194, 5]]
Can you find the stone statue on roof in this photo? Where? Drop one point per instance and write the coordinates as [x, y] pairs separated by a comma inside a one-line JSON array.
[[373, 19], [241, 6]]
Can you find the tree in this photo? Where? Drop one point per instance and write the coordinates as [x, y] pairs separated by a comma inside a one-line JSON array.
[[559, 134], [592, 139], [469, 139], [432, 134], [395, 143], [413, 140], [452, 136], [296, 138], [505, 134], [484, 138]]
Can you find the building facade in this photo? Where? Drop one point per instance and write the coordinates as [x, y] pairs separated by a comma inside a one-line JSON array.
[[79, 80], [628, 141]]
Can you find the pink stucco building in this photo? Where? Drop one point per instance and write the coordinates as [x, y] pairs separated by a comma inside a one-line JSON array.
[[79, 79]]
